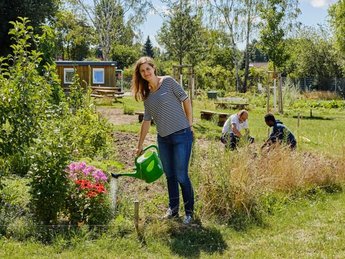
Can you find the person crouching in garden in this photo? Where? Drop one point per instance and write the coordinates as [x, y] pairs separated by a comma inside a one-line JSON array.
[[279, 134], [168, 105], [231, 132]]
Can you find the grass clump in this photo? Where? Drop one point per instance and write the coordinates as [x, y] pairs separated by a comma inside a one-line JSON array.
[[239, 188]]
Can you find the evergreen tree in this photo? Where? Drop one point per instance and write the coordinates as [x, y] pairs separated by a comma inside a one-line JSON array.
[[148, 49]]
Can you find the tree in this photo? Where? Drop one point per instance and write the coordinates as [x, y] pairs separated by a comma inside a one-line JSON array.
[[274, 14], [249, 10], [179, 34], [311, 54], [148, 49], [113, 20], [215, 50], [255, 53], [337, 14], [36, 11], [74, 36], [236, 19], [125, 56]]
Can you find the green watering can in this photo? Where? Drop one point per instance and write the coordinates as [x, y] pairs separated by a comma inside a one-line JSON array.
[[148, 166]]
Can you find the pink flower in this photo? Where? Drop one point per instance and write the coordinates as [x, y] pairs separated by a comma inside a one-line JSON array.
[[99, 175], [72, 166], [88, 170]]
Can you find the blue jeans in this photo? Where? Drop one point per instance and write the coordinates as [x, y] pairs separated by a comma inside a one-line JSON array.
[[174, 151]]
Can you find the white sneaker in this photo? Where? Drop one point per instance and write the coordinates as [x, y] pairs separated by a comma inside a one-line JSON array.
[[187, 219], [170, 215]]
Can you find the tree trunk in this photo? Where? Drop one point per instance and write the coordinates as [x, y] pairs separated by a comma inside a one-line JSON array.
[[246, 57]]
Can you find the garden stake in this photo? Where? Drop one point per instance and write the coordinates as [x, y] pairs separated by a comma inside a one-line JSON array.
[[136, 216]]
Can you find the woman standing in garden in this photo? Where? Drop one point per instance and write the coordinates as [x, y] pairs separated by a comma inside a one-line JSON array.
[[169, 106]]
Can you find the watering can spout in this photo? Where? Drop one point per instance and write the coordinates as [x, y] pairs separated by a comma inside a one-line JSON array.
[[148, 166], [126, 174], [115, 175]]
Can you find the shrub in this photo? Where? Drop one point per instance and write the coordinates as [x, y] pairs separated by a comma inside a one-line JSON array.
[[128, 110], [15, 219], [214, 77], [28, 98], [77, 98], [50, 155], [88, 201], [23, 93], [89, 135]]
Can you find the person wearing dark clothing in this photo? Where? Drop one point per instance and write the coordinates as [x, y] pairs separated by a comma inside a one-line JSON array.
[[280, 133]]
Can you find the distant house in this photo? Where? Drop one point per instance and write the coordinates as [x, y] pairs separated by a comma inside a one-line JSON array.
[[97, 74]]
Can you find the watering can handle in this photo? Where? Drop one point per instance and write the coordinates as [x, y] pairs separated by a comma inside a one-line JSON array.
[[148, 147], [151, 146]]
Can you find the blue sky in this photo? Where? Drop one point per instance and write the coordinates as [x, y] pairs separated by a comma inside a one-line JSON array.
[[313, 12]]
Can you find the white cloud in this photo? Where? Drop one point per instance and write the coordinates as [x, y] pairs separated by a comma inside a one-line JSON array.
[[321, 3]]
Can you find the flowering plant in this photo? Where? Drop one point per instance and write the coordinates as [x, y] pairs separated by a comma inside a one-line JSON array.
[[88, 200]]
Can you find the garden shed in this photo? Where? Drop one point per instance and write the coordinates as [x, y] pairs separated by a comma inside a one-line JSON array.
[[100, 75]]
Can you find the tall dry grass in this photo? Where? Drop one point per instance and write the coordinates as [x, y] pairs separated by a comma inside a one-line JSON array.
[[322, 95], [231, 185]]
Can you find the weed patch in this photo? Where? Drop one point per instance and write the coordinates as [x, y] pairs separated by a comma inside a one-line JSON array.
[[239, 188]]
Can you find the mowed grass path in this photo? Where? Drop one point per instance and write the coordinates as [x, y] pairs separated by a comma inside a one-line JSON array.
[[312, 228]]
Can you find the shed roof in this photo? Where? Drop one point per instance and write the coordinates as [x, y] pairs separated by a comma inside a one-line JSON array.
[[85, 63]]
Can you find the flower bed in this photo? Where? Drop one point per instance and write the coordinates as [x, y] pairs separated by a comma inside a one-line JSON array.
[[88, 201]]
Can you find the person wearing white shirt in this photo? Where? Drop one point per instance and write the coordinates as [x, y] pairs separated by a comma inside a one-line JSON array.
[[231, 132]]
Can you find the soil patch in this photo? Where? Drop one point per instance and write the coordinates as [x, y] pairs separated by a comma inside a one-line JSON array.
[[125, 142], [116, 116]]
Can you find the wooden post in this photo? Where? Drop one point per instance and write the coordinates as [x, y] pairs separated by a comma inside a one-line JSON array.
[[311, 113], [136, 216], [280, 102], [275, 94], [268, 99], [90, 75]]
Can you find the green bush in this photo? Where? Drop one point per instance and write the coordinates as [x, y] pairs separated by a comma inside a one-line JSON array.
[[39, 133], [215, 78], [14, 208], [49, 185], [77, 98], [23, 93], [28, 97], [128, 110], [62, 140], [89, 134]]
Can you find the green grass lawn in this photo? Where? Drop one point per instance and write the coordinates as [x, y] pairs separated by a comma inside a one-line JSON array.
[[324, 132], [310, 226], [305, 228]]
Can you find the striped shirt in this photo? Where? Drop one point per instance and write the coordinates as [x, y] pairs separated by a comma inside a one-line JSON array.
[[164, 106]]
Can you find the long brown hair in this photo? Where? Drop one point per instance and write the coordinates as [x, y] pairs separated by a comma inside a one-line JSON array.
[[140, 87]]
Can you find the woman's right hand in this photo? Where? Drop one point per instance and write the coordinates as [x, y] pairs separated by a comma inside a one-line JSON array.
[[138, 151]]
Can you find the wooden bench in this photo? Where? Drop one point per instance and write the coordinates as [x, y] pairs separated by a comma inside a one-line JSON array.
[[141, 117], [208, 115], [97, 96], [231, 105], [238, 103], [107, 92]]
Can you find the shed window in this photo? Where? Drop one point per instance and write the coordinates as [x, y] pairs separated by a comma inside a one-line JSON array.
[[68, 74], [98, 75]]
